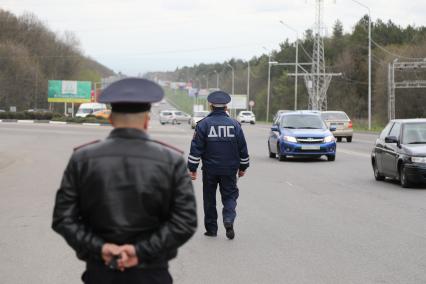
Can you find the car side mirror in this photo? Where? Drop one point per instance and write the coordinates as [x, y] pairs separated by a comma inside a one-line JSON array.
[[391, 140], [274, 128], [333, 128]]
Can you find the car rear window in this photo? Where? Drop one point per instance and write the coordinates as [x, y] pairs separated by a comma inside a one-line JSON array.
[[334, 116], [246, 113], [166, 113]]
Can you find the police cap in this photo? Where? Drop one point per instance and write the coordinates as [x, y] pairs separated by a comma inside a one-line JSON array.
[[131, 95], [219, 98]]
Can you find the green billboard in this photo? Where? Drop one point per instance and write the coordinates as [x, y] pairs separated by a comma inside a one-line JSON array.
[[69, 91]]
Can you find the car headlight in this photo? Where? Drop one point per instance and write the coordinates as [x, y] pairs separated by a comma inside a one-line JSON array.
[[290, 139], [329, 139], [421, 160]]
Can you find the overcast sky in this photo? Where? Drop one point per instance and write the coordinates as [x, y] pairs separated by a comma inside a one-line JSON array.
[[135, 36]]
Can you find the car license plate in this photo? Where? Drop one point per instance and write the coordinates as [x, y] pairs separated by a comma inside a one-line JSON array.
[[311, 147]]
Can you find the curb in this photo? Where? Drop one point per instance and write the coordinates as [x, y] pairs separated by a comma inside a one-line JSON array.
[[51, 122]]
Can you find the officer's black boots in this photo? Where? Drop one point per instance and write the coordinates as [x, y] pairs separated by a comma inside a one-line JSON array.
[[230, 234], [210, 234]]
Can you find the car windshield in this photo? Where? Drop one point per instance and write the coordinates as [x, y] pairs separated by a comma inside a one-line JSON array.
[[334, 116], [414, 133], [201, 113], [166, 113], [302, 122], [246, 113]]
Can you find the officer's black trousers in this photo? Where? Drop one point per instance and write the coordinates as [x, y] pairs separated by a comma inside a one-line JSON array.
[[100, 274], [229, 193]]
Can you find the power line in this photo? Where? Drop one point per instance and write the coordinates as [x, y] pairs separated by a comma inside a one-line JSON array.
[[394, 54]]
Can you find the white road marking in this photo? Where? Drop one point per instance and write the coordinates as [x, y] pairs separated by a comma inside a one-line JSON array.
[[289, 183], [354, 153]]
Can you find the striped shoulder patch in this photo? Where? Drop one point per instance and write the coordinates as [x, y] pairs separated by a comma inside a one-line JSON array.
[[86, 144]]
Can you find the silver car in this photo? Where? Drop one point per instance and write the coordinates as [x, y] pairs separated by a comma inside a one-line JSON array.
[[198, 115], [174, 117], [341, 121]]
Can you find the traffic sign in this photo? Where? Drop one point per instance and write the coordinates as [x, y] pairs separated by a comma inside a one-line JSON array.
[[251, 103]]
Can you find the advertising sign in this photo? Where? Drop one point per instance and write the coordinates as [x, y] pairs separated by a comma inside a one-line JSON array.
[[69, 91], [238, 102]]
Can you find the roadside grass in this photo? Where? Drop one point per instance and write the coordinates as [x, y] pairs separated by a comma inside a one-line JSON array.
[[362, 125], [182, 101]]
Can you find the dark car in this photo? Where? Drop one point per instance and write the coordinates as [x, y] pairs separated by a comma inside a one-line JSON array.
[[301, 134], [400, 152]]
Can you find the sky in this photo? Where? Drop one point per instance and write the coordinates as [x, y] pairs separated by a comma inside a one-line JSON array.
[[137, 36]]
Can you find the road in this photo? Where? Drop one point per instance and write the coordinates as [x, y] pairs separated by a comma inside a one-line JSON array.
[[298, 221]]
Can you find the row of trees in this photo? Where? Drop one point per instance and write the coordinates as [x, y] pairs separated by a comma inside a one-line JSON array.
[[344, 52], [31, 54]]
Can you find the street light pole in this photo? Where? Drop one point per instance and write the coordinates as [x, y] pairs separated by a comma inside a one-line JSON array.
[[369, 60], [217, 79], [297, 63], [269, 84], [233, 78], [248, 82]]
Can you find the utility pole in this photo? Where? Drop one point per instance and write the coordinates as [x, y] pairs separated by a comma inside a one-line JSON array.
[[217, 79], [269, 84], [248, 82], [296, 77], [369, 60]]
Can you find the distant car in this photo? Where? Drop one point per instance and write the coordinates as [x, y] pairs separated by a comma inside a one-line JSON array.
[[2, 110], [341, 121], [279, 112], [198, 115], [102, 113], [89, 108], [301, 134], [173, 117], [246, 116], [400, 152]]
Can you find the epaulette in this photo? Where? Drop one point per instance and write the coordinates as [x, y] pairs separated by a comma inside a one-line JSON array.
[[169, 146], [86, 144], [201, 119]]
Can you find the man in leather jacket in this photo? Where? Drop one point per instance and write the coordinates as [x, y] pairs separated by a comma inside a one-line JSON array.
[[125, 204]]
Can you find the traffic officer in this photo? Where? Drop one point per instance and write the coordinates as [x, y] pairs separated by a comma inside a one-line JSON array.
[[220, 144], [125, 204]]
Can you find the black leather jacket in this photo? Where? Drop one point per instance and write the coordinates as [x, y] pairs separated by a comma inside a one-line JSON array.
[[126, 189]]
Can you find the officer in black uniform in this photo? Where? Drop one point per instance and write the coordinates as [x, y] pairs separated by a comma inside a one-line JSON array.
[[125, 204], [220, 144]]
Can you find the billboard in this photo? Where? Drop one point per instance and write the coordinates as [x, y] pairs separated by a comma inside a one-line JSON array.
[[238, 102], [69, 91]]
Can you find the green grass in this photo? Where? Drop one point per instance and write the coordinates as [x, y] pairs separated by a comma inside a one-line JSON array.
[[362, 125], [181, 100]]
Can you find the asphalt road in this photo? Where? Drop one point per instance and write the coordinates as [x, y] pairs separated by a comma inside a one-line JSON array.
[[302, 221]]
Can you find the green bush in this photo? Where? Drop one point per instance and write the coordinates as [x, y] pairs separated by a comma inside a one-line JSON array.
[[50, 116]]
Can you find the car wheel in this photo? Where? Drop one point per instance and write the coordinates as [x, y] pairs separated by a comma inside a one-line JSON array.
[[377, 175], [339, 139], [403, 177], [252, 122], [331, 158], [349, 139], [280, 156], [271, 155], [162, 123]]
